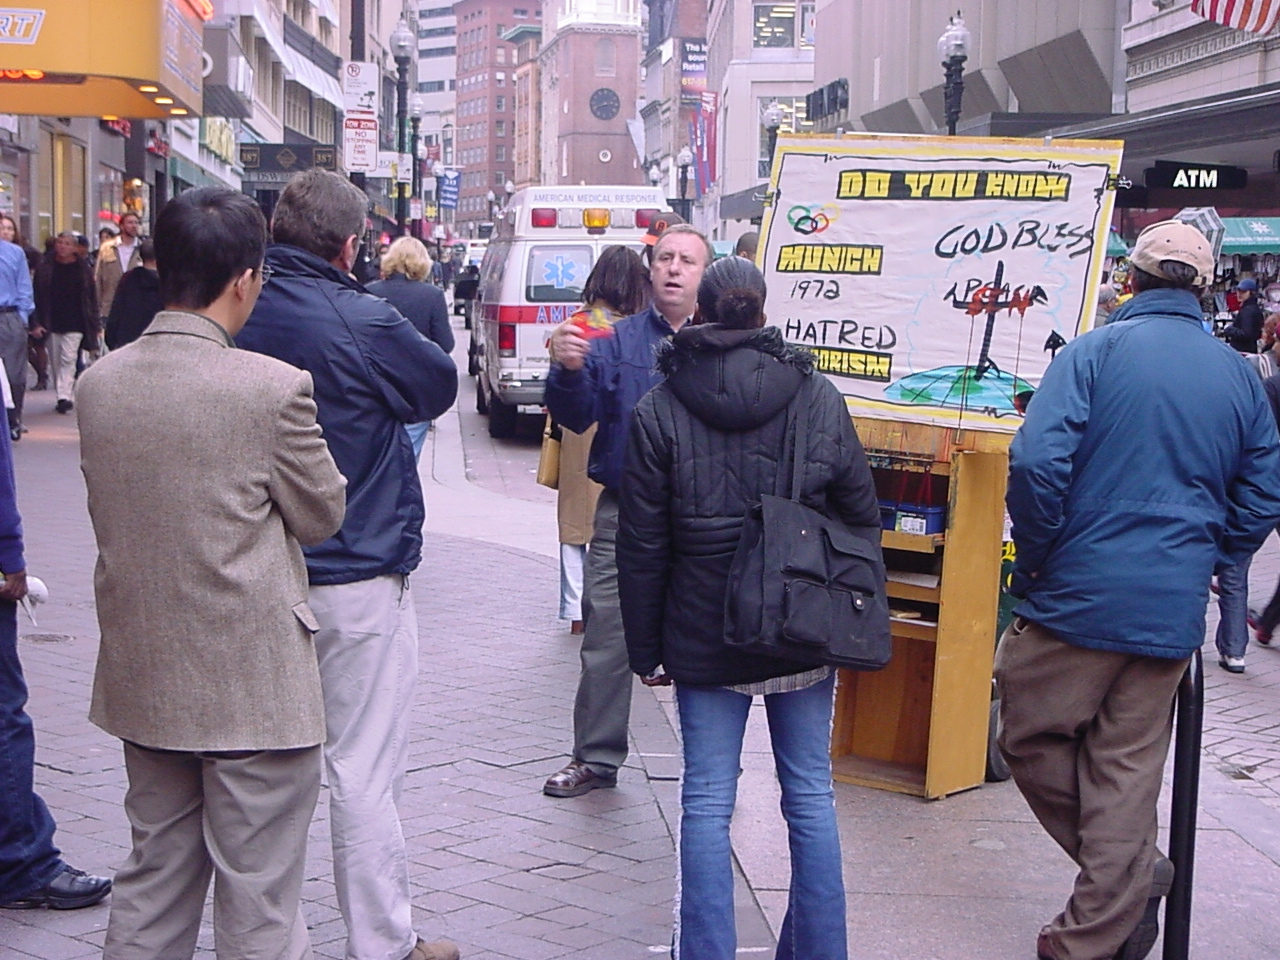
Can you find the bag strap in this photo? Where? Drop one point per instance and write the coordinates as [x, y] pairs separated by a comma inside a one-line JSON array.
[[801, 452]]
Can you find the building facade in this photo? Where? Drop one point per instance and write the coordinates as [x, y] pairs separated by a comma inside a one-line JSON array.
[[527, 139], [674, 72], [484, 114], [758, 54], [590, 66]]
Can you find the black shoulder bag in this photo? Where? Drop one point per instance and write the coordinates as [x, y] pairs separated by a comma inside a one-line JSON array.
[[801, 586]]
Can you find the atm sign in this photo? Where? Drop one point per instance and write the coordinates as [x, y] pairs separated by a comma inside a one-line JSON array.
[[20, 25], [1175, 175]]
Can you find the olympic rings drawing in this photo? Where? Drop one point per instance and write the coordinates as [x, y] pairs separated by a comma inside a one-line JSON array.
[[810, 220]]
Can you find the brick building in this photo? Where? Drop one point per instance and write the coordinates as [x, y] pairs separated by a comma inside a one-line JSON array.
[[485, 109]]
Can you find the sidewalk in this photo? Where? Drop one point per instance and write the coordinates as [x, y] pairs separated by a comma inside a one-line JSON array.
[[510, 873]]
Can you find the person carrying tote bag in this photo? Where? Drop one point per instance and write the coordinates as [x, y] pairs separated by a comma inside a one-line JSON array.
[[705, 445]]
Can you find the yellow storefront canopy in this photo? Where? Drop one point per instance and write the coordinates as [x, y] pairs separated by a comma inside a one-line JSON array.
[[103, 58]]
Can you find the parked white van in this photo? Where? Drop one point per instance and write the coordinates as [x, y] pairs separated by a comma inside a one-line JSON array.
[[531, 279]]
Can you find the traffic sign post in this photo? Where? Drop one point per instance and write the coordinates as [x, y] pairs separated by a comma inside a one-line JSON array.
[[360, 144]]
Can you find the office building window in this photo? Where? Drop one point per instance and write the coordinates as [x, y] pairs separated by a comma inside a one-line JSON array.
[[432, 12], [437, 52], [793, 121], [520, 13], [500, 104], [323, 121], [499, 79], [431, 86], [808, 24], [501, 54], [499, 178], [436, 32], [500, 153], [606, 57], [500, 128], [774, 25]]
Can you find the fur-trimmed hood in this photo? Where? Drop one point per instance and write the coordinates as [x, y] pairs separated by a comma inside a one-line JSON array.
[[733, 379]]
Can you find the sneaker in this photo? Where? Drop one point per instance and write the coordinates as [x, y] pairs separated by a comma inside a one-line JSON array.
[[1232, 664], [1143, 938], [64, 406], [436, 950]]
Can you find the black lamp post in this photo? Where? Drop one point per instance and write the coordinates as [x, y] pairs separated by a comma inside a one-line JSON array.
[[438, 171], [684, 160], [772, 118], [415, 119], [402, 48], [953, 51]]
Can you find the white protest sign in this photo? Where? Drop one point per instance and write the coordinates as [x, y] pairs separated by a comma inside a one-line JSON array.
[[935, 278]]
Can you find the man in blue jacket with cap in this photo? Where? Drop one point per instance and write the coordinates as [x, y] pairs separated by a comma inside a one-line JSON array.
[[1148, 456]]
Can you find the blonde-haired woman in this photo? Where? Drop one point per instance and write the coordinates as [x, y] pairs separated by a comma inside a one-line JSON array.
[[405, 268]]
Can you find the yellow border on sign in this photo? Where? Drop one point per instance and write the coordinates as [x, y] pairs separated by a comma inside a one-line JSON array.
[[934, 147]]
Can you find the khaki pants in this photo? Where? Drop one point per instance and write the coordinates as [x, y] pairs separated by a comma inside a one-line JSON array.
[[1086, 733], [242, 817]]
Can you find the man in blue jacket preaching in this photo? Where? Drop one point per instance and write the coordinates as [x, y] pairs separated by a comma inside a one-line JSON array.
[[1148, 456]]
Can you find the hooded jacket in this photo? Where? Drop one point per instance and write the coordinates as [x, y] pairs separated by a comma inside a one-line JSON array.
[[373, 373], [702, 446], [137, 301], [1148, 455]]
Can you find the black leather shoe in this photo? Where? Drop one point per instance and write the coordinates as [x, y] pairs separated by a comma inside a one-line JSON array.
[[575, 780], [69, 890], [1143, 937], [64, 406]]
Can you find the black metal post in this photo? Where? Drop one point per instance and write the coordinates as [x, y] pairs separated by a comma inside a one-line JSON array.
[[953, 91], [684, 187], [773, 146], [402, 132], [362, 267], [1188, 725], [416, 184], [439, 215]]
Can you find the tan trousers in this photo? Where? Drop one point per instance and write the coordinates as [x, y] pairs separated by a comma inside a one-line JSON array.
[[1086, 733], [243, 818]]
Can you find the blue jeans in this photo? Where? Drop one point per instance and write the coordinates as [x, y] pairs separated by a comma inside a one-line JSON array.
[[1233, 609], [418, 434], [28, 858], [712, 721]]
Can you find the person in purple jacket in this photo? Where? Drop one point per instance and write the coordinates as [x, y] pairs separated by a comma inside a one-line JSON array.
[[32, 872]]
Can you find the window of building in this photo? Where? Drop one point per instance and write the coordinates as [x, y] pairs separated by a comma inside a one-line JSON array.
[[500, 128], [501, 29], [323, 121], [501, 54], [453, 84], [808, 24], [431, 86], [436, 32], [430, 52], [500, 153], [793, 121], [606, 57], [499, 178], [499, 79], [433, 12], [774, 25], [297, 108]]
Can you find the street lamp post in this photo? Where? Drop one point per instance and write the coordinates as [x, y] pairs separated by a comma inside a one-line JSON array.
[[402, 48], [492, 198], [684, 160], [772, 118], [953, 51], [655, 173], [437, 171], [415, 118]]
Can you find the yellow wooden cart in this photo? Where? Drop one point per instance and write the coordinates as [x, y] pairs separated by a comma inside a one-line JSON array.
[[921, 725]]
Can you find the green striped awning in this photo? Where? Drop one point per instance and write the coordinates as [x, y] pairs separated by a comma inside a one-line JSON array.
[[1251, 235]]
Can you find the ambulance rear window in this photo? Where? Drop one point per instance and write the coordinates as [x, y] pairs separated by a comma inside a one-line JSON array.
[[557, 273]]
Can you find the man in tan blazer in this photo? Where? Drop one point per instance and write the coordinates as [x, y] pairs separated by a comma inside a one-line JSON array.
[[206, 469], [115, 259]]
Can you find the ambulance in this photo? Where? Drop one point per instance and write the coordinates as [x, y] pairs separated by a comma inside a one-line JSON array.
[[531, 279]]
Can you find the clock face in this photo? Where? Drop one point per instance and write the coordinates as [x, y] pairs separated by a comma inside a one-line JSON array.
[[605, 104]]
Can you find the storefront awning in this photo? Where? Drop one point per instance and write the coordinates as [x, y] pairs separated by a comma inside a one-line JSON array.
[[302, 71], [1251, 235], [1115, 246], [103, 58]]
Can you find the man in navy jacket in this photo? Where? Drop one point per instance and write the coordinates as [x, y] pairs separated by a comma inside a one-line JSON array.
[[373, 373], [601, 382], [1148, 456]]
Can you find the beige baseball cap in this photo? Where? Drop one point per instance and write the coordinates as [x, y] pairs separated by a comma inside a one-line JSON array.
[[1176, 241]]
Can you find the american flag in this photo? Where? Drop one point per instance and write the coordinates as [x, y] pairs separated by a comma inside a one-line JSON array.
[[1256, 16]]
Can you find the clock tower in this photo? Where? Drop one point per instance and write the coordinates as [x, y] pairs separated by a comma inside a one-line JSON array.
[[590, 70]]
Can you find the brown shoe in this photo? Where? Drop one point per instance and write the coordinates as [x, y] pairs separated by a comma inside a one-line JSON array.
[[577, 626], [575, 780], [436, 950], [1044, 949]]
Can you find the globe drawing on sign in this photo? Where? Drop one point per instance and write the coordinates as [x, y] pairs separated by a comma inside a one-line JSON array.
[[559, 272], [960, 388]]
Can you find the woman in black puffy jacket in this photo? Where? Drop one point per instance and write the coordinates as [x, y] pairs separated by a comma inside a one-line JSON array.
[[705, 444]]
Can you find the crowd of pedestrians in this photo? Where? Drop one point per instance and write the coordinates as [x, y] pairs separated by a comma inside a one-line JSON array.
[[258, 626]]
